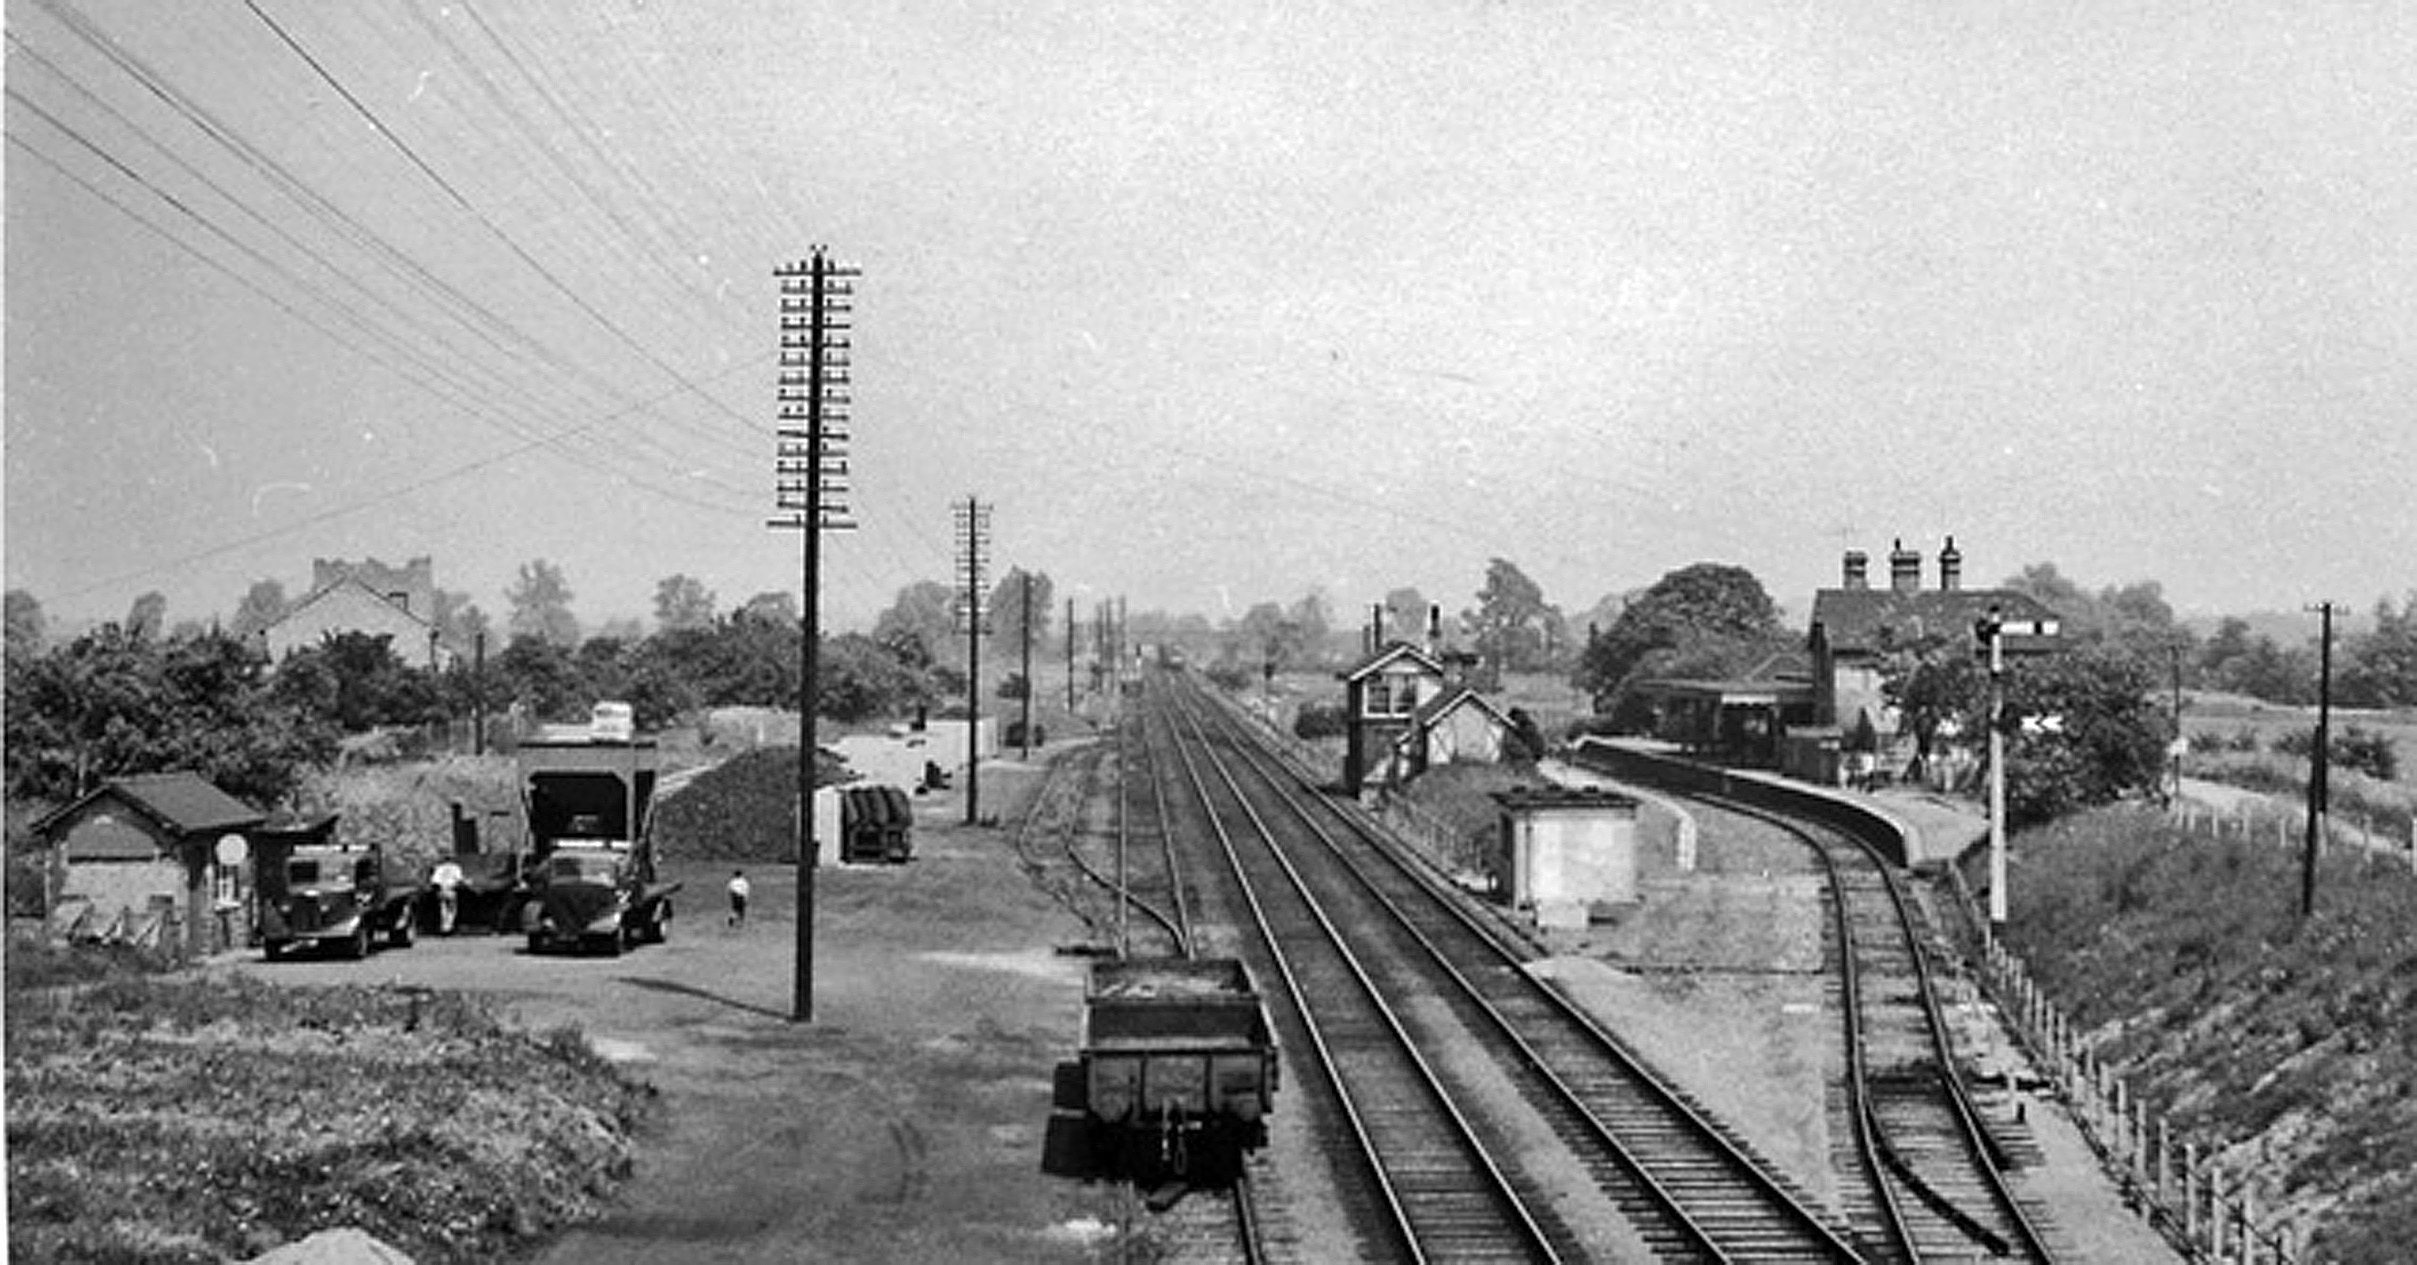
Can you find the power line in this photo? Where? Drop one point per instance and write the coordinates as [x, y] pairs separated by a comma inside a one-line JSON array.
[[463, 202], [475, 314]]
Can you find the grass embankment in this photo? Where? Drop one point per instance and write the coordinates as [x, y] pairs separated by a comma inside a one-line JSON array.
[[2292, 1042], [184, 1117]]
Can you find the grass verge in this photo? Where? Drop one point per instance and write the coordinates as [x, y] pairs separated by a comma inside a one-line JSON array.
[[178, 1117], [2293, 1042]]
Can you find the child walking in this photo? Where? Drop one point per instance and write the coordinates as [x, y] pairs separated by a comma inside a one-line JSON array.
[[738, 898]]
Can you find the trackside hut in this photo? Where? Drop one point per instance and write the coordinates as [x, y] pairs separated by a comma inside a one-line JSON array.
[[1456, 725], [135, 848]]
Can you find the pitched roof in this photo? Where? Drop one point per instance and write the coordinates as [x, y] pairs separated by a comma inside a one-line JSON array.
[[181, 803], [1868, 619], [1443, 704], [1387, 653], [345, 585]]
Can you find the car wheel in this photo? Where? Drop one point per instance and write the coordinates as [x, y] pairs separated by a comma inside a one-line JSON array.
[[272, 950]]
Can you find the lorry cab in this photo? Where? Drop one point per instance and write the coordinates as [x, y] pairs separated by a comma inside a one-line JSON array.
[[332, 895], [588, 794]]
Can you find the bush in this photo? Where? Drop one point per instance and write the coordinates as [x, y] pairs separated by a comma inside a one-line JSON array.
[[1318, 720], [2366, 751], [1233, 678], [1014, 736], [2362, 750]]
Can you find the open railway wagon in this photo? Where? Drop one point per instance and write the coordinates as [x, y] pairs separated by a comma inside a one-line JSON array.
[[1175, 1076], [591, 864]]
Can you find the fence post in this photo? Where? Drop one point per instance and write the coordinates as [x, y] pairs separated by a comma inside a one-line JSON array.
[[2218, 1212], [2190, 1193], [2165, 1162]]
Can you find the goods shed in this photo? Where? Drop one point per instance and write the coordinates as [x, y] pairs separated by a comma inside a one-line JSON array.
[[146, 859]]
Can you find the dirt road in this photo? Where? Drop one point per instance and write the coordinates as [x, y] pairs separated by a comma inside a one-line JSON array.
[[903, 1124]]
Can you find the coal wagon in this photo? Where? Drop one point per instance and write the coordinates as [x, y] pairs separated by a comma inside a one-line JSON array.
[[1177, 1072]]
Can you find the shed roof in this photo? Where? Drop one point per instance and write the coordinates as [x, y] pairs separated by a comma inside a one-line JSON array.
[[1870, 619], [1452, 700], [180, 803]]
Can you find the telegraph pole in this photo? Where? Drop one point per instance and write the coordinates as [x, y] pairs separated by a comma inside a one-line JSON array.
[[1070, 654], [2181, 744], [2319, 756], [973, 557], [809, 497], [1025, 583]]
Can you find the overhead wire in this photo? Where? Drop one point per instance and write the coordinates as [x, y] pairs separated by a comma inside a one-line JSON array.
[[398, 357], [480, 319], [485, 221], [477, 317]]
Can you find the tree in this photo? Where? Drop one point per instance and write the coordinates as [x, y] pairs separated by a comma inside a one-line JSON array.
[[1312, 622], [540, 678], [541, 605], [25, 623], [1934, 683], [921, 615], [682, 601], [858, 678], [2082, 728], [460, 621], [2379, 666], [773, 606], [1706, 619], [1512, 621], [148, 617], [1007, 607], [1406, 616], [263, 604], [357, 681], [111, 704]]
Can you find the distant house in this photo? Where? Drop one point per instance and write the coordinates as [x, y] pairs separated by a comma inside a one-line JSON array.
[[1856, 627], [140, 859], [367, 597]]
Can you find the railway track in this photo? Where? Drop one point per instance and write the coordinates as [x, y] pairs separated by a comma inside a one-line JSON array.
[[1430, 1187], [1690, 1191], [1937, 1173]]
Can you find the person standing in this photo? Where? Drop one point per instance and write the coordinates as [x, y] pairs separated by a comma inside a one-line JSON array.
[[739, 891], [448, 880]]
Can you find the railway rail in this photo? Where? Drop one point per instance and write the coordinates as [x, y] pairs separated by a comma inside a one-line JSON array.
[[1938, 1174], [1691, 1191]]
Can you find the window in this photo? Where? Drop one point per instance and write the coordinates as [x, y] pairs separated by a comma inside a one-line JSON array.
[[1391, 694]]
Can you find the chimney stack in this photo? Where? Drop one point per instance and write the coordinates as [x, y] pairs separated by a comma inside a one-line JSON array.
[[1856, 576], [1434, 628], [1904, 569], [1951, 567]]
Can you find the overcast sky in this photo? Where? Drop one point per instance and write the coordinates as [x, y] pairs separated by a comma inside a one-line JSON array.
[[1215, 303]]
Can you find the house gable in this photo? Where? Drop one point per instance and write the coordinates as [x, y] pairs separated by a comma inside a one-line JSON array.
[[351, 606]]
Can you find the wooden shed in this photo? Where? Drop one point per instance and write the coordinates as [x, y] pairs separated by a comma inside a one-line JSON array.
[[139, 860]]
